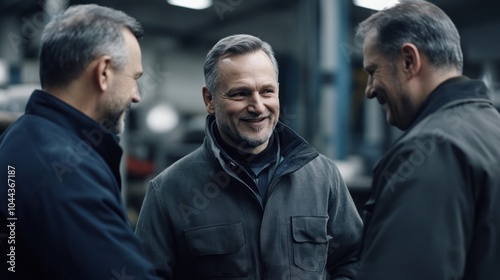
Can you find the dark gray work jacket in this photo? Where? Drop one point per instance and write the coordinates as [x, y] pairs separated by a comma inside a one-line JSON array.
[[433, 212], [200, 220]]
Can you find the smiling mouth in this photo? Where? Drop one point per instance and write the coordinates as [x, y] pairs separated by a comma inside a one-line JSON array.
[[256, 120]]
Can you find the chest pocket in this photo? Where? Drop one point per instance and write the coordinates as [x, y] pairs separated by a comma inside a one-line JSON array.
[[310, 242], [218, 251]]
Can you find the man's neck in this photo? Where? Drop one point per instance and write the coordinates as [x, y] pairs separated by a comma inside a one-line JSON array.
[[73, 96], [245, 157]]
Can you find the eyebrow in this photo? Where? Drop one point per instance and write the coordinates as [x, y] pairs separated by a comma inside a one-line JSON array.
[[245, 87], [238, 87], [369, 67], [269, 85]]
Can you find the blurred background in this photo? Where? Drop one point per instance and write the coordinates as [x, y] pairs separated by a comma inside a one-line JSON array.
[[321, 78]]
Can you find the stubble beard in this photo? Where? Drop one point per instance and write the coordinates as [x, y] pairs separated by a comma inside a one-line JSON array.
[[115, 121], [241, 139]]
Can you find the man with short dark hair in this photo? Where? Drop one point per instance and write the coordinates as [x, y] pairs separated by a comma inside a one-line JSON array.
[[60, 191], [431, 214]]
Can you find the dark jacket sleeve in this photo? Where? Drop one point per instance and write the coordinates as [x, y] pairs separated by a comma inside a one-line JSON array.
[[418, 222], [75, 228], [345, 228], [152, 230]]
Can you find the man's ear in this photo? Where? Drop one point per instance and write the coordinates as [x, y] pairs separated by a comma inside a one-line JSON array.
[[102, 72], [208, 99], [411, 60]]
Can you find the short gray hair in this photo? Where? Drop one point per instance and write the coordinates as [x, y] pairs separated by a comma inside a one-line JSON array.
[[420, 23], [74, 38], [233, 45]]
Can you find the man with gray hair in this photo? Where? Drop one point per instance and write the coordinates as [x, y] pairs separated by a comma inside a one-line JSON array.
[[255, 201], [431, 214], [60, 196]]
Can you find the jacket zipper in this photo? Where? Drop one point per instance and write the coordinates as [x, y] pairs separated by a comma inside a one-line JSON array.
[[234, 175]]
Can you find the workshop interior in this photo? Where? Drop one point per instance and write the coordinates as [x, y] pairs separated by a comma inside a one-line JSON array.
[[321, 76]]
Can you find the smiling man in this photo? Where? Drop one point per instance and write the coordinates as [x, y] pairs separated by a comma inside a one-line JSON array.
[[431, 213], [255, 201], [247, 108]]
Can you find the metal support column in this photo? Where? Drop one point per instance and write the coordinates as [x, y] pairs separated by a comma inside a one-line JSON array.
[[343, 81]]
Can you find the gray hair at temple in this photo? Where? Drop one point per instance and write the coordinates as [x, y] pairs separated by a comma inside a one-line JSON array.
[[82, 33], [233, 45], [420, 23]]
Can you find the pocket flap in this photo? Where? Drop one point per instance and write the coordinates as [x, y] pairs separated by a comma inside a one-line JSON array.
[[310, 229], [215, 239]]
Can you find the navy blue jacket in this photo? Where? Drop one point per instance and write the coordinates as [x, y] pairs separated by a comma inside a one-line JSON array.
[[62, 215]]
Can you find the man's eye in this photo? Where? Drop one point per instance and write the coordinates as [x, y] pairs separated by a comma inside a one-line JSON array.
[[238, 94], [370, 72]]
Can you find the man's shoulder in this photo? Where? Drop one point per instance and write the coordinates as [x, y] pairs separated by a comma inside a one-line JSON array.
[[189, 165], [36, 127], [453, 125], [43, 150], [35, 137], [321, 165], [456, 116], [322, 161]]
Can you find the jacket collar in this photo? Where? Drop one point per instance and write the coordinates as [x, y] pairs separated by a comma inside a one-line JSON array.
[[89, 131], [453, 90], [295, 151]]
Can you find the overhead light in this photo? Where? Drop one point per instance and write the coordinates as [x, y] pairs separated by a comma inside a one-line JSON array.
[[191, 4], [375, 4], [4, 72]]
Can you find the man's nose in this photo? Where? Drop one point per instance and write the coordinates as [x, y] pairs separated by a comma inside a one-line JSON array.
[[256, 103], [369, 90], [136, 98]]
